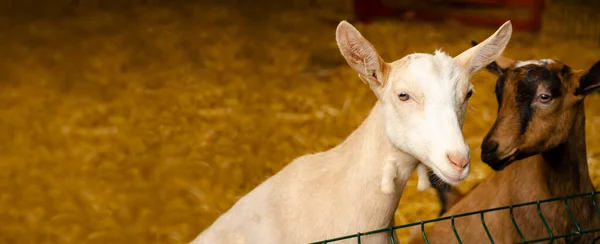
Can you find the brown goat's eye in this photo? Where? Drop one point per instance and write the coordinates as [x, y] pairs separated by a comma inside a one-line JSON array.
[[403, 96], [469, 94], [545, 98]]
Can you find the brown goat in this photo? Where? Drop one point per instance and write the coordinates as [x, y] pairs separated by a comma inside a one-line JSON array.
[[537, 149]]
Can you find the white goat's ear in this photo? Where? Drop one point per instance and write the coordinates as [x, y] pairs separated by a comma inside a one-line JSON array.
[[487, 51], [361, 55], [500, 66]]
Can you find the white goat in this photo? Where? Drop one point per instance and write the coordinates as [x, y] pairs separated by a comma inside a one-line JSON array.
[[356, 186]]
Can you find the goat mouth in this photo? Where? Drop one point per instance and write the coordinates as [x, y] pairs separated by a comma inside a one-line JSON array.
[[510, 154], [450, 179], [503, 162]]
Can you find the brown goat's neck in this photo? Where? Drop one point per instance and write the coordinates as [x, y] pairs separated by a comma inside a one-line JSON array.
[[565, 166]]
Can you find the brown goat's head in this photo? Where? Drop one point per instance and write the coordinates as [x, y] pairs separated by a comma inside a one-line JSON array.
[[537, 104]]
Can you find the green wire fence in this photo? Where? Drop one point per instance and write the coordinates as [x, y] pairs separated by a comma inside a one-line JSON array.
[[551, 237]]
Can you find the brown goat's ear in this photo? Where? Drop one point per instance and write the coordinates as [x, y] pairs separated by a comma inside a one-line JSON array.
[[499, 66], [495, 69], [589, 81]]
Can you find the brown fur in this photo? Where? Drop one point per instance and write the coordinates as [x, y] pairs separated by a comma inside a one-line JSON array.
[[550, 124], [451, 197], [550, 162]]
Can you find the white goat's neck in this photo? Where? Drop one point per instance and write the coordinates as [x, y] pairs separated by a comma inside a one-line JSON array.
[[374, 167]]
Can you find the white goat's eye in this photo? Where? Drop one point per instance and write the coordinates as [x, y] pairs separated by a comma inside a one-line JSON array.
[[469, 94], [403, 96]]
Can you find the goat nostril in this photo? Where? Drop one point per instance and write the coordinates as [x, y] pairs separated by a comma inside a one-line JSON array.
[[489, 146], [457, 162]]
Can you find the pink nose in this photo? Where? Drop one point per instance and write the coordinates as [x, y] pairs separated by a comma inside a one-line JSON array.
[[459, 163]]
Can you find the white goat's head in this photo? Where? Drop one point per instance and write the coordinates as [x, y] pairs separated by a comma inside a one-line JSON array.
[[424, 96]]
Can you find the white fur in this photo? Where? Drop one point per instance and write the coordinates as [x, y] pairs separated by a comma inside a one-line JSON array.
[[423, 180], [389, 174], [429, 127], [356, 186], [536, 62]]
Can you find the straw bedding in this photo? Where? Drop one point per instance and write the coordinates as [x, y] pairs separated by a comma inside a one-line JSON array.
[[144, 124]]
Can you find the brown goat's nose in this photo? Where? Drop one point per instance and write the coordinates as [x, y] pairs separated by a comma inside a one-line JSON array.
[[459, 163], [489, 146], [488, 150]]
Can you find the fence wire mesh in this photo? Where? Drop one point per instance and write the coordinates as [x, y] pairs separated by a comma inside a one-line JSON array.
[[551, 236]]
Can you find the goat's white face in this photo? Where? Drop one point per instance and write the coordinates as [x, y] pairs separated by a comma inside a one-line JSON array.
[[424, 97], [425, 102]]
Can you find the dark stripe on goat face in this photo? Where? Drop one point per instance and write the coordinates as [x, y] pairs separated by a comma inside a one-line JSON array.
[[527, 90], [500, 89], [525, 94]]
